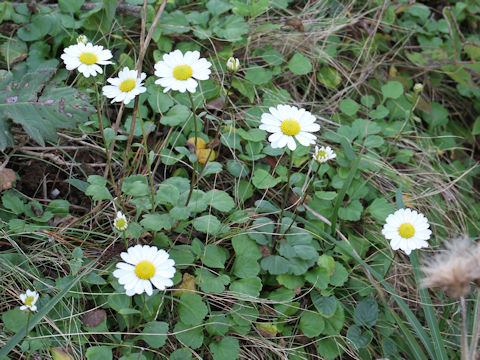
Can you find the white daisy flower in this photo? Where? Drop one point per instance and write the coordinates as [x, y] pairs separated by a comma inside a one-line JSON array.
[[407, 230], [323, 154], [120, 223], [288, 123], [233, 64], [86, 58], [125, 87], [180, 72], [144, 265], [29, 299]]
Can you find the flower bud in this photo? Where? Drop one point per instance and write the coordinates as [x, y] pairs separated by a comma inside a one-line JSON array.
[[418, 87], [82, 39], [233, 64]]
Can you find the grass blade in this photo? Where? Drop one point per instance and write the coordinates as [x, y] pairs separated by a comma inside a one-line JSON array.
[[19, 336], [429, 311]]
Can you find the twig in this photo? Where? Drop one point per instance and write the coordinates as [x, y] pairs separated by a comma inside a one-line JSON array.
[[56, 159]]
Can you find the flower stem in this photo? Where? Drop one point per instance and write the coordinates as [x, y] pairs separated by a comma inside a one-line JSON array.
[[476, 328], [104, 140], [147, 157], [194, 172], [28, 324], [287, 193], [464, 334]]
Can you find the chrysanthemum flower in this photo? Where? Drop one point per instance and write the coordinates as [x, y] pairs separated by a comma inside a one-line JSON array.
[[120, 223], [287, 123], [323, 154], [407, 230], [125, 87], [86, 58], [180, 72], [144, 265], [29, 299]]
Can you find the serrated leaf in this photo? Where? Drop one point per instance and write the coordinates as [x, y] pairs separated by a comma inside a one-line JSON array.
[[40, 116]]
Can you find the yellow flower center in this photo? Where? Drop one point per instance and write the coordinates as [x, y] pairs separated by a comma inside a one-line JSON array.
[[182, 72], [29, 300], [406, 230], [127, 85], [145, 270], [321, 154], [290, 127], [88, 58], [120, 224]]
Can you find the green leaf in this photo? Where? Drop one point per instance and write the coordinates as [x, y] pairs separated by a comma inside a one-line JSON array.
[[245, 267], [231, 28], [181, 354], [13, 50], [157, 222], [473, 50], [70, 6], [218, 7], [174, 23], [263, 180], [349, 107], [275, 264], [273, 57], [14, 319], [159, 329], [12, 202], [191, 309], [36, 29], [207, 224], [311, 324], [329, 77], [44, 310], [192, 338], [299, 64], [177, 115], [392, 90], [380, 208], [366, 312], [340, 275], [476, 126], [326, 305], [430, 58], [250, 286], [219, 200], [351, 212], [98, 192], [99, 353], [379, 113], [211, 283], [258, 76], [215, 256], [226, 349], [39, 108], [246, 247], [358, 338]]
